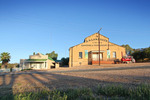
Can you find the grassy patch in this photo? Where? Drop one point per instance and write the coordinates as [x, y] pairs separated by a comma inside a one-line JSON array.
[[110, 92], [18, 84], [141, 92], [26, 69]]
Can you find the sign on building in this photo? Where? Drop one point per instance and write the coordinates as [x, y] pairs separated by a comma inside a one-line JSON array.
[[86, 54], [108, 53]]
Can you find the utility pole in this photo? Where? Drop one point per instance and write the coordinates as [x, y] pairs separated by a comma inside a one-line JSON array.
[[99, 44]]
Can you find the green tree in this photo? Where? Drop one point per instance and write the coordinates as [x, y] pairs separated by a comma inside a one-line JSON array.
[[5, 58], [65, 61], [33, 53], [147, 52], [142, 54], [53, 55], [129, 50], [136, 55]]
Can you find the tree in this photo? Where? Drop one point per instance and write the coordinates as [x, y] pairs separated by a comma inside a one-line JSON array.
[[53, 55], [136, 55], [141, 54], [129, 50], [65, 61], [33, 53], [147, 52], [5, 58]]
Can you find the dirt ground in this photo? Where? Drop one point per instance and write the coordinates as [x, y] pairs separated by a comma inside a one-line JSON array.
[[81, 76]]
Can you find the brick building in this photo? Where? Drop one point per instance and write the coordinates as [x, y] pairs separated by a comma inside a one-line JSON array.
[[87, 53]]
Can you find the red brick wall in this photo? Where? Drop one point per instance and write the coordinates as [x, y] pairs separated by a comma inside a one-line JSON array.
[[103, 62]]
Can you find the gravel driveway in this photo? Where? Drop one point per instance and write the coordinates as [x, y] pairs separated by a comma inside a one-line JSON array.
[[81, 76]]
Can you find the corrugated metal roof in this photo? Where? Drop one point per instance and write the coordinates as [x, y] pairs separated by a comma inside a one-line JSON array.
[[58, 61], [50, 58], [36, 60]]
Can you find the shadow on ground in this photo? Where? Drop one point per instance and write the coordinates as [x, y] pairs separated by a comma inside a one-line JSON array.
[[26, 82]]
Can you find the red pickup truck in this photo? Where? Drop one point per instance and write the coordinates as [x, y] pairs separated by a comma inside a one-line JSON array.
[[127, 59]]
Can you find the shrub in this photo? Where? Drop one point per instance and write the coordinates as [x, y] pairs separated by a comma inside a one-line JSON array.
[[0, 65], [11, 65], [76, 93], [11, 69], [26, 69], [17, 66], [141, 92], [112, 90]]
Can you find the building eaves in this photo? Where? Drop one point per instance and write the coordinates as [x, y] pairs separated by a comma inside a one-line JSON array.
[[50, 58], [96, 33], [35, 60]]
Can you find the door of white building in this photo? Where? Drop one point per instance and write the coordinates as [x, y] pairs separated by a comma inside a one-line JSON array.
[[39, 66]]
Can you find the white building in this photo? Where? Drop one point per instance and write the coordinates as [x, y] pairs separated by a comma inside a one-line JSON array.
[[38, 61]]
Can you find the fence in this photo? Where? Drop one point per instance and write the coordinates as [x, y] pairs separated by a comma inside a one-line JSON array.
[[8, 69]]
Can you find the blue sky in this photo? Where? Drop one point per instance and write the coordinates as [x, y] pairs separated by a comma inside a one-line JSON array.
[[28, 26]]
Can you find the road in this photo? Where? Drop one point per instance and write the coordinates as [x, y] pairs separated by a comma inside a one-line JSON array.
[[76, 70]]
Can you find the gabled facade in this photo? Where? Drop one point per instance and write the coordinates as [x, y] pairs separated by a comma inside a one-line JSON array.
[[87, 53], [38, 61]]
